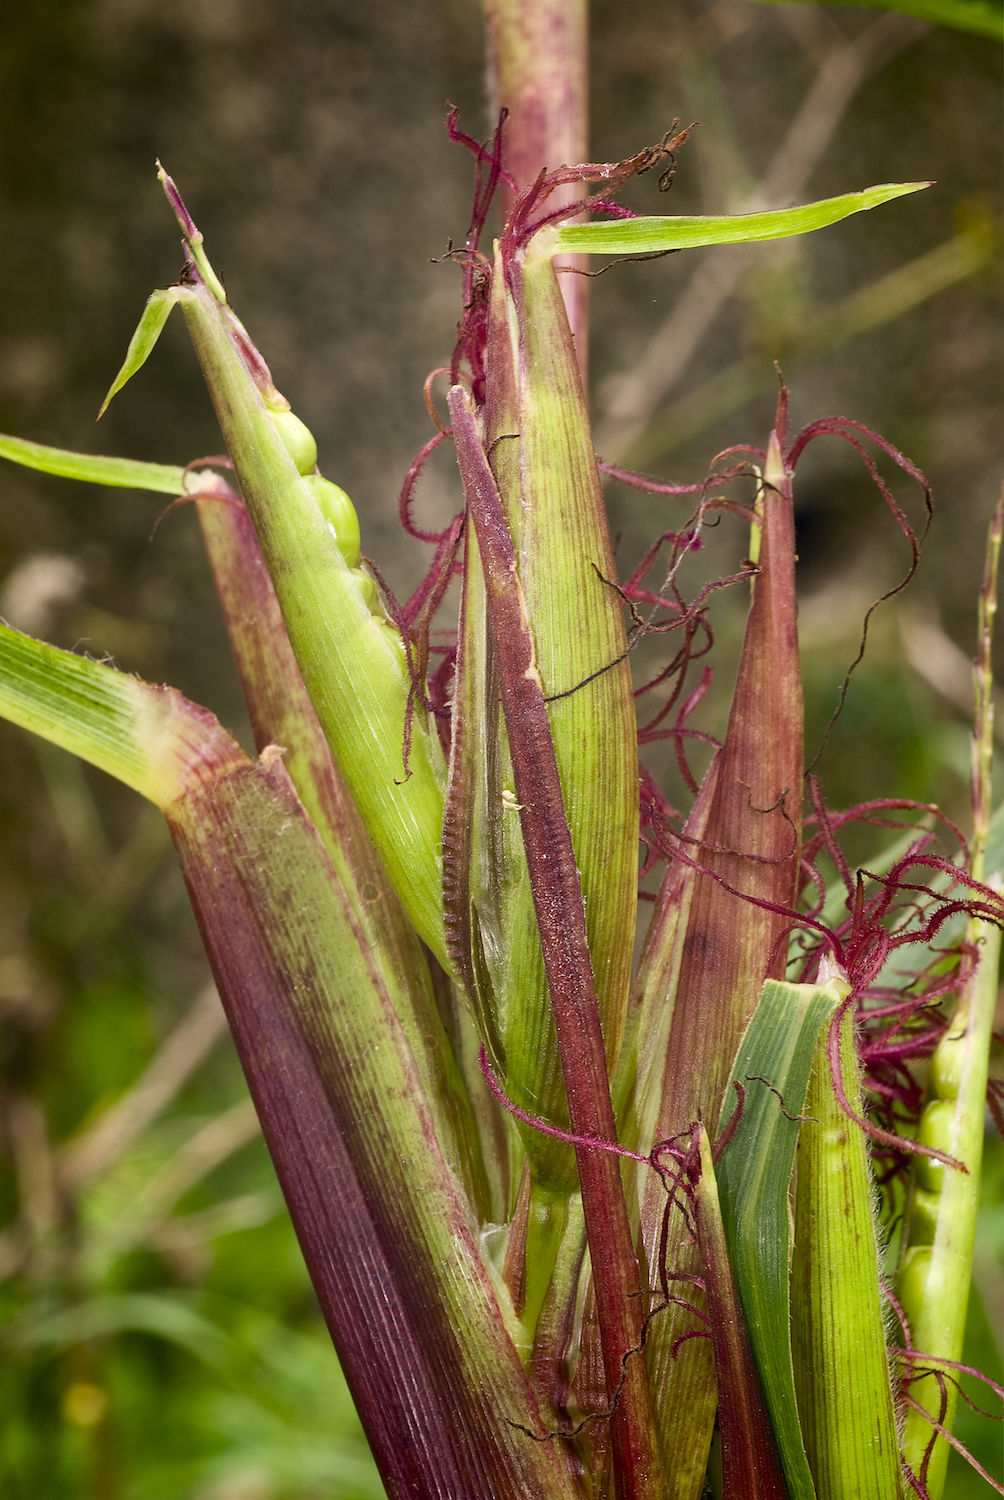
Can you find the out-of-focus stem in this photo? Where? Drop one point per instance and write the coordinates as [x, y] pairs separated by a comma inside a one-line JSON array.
[[538, 61], [638, 394], [934, 1279], [983, 682]]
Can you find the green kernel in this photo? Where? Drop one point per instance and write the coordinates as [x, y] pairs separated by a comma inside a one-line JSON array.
[[924, 1217], [935, 1130], [911, 1284], [340, 514], [366, 587], [946, 1065], [298, 440]]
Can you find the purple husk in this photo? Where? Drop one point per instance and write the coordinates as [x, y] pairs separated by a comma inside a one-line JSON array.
[[248, 852], [557, 897]]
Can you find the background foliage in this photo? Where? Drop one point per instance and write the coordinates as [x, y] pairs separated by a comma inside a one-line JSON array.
[[159, 1336]]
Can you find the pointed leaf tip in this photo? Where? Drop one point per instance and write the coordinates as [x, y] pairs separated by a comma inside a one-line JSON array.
[[141, 345]]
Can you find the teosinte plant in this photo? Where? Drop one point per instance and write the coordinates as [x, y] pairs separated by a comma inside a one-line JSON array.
[[545, 1200]]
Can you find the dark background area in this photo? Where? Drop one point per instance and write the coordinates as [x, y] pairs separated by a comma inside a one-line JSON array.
[[308, 141]]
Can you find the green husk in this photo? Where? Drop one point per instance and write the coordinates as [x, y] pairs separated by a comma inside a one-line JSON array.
[[773, 1066], [537, 432], [351, 658], [281, 714], [750, 1464], [845, 1401], [560, 913]]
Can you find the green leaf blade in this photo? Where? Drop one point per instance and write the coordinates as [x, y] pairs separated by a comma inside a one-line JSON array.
[[149, 737], [646, 236], [93, 468]]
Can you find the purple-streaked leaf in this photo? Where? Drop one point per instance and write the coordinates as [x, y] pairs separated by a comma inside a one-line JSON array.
[[281, 713], [388, 1234]]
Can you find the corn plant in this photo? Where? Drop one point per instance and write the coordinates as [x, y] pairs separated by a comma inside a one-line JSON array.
[[542, 1190]]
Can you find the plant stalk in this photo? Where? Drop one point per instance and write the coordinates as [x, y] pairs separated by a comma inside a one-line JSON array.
[[538, 70], [933, 1284]]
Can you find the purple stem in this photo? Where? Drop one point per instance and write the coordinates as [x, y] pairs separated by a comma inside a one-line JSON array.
[[538, 60]]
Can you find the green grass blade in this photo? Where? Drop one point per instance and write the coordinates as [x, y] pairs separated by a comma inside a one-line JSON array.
[[141, 345], [984, 17], [647, 235], [93, 468], [774, 1059]]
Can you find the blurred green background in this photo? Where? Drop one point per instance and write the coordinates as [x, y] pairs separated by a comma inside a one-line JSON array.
[[159, 1336]]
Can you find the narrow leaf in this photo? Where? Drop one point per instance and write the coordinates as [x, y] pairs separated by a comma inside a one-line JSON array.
[[125, 473], [645, 235], [148, 331], [773, 1067]]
